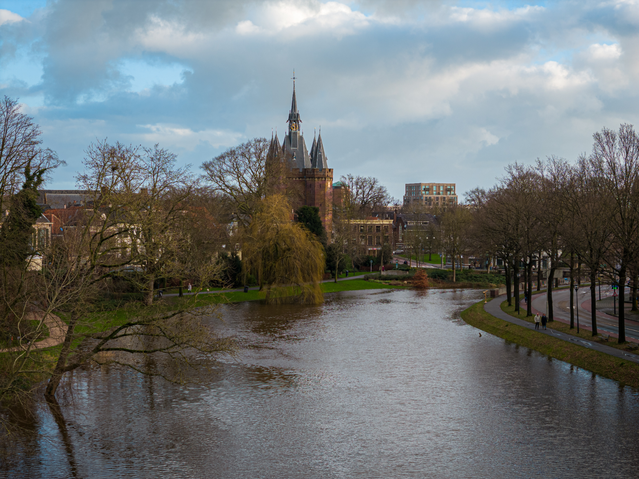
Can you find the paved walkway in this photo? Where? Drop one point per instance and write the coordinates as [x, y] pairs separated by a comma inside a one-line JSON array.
[[607, 323], [57, 332], [494, 307]]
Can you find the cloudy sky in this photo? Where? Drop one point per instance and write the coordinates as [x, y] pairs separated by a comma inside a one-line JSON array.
[[404, 90]]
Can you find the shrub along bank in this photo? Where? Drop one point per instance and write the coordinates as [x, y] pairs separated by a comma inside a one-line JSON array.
[[442, 278]]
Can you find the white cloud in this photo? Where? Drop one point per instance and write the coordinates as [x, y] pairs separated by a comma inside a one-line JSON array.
[[599, 51], [444, 84], [9, 17], [175, 136], [489, 18], [246, 27], [166, 36], [304, 19]]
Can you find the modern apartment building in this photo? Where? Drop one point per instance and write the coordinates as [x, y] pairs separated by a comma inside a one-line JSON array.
[[430, 194]]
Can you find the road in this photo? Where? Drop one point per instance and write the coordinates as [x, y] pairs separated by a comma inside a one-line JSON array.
[[606, 324], [413, 263]]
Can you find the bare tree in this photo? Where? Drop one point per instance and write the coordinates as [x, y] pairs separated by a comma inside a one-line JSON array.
[[615, 161], [493, 229], [364, 195], [588, 233], [20, 147], [455, 226], [245, 174], [552, 198], [143, 196]]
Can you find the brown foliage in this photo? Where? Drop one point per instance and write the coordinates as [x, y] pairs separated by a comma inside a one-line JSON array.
[[420, 280]]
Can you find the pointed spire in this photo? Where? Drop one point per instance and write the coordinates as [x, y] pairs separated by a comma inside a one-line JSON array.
[[294, 119], [319, 159], [313, 148], [294, 102]]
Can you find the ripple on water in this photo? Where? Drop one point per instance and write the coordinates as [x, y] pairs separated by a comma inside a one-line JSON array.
[[371, 384]]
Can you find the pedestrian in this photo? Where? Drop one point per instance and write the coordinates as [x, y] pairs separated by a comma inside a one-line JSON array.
[[190, 287], [544, 320], [160, 293], [536, 321]]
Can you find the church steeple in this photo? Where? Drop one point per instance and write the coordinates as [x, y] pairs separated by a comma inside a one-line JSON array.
[[294, 119], [294, 143]]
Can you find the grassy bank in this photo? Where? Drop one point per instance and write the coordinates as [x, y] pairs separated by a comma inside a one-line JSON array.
[[252, 295], [603, 364]]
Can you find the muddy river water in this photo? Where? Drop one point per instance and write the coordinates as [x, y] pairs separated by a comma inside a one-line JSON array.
[[382, 384]]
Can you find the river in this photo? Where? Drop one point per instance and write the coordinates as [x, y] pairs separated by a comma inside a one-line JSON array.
[[382, 384]]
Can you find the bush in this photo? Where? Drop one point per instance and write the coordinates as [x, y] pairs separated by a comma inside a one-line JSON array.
[[439, 274], [420, 280]]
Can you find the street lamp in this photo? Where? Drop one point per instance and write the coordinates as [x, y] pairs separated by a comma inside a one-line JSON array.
[[599, 277], [577, 307]]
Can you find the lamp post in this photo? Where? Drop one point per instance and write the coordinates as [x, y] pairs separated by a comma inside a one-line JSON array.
[[599, 276], [577, 305]]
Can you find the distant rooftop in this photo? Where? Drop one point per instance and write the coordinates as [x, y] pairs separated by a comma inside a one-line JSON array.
[[56, 199]]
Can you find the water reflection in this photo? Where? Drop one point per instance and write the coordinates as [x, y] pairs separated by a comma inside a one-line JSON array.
[[373, 384]]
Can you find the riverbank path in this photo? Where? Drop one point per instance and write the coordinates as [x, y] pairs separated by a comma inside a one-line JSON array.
[[57, 331], [493, 307]]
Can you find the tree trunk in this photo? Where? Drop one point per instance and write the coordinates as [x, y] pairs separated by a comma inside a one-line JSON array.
[[622, 312], [539, 272], [529, 292], [509, 293], [180, 293], [593, 300], [336, 269], [148, 297], [516, 280], [454, 259], [634, 292], [551, 280], [58, 371], [572, 297]]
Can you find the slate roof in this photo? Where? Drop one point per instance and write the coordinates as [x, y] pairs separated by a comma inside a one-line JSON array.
[[54, 199], [318, 156]]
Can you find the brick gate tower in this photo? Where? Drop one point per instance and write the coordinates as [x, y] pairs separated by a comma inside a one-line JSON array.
[[307, 175]]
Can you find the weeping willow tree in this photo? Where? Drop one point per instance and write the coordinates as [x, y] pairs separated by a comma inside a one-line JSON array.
[[288, 259]]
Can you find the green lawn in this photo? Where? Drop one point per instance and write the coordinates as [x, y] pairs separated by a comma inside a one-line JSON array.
[[435, 258], [353, 285]]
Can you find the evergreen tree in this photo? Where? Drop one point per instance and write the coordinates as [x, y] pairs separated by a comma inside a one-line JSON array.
[[17, 229], [308, 216]]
